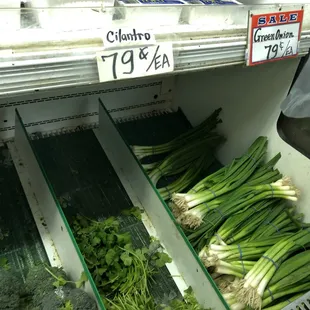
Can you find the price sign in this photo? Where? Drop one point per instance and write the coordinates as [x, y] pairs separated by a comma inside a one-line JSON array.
[[135, 62], [273, 36]]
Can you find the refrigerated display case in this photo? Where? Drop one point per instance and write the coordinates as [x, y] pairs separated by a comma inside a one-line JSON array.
[[66, 137]]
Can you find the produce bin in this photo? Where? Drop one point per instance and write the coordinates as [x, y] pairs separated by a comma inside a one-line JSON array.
[[33, 239], [84, 174]]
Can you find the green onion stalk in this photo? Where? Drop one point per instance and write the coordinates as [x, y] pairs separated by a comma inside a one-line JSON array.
[[224, 251], [209, 181], [293, 276], [278, 223], [181, 159], [220, 174], [284, 303], [193, 218], [193, 134], [232, 268], [240, 200], [149, 167], [250, 251], [266, 168], [266, 174], [241, 225], [289, 266], [253, 286], [234, 177], [237, 306], [189, 177], [233, 254], [297, 220], [275, 294], [232, 302], [226, 283], [263, 175]]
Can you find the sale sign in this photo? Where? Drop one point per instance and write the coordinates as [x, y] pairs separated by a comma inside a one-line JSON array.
[[273, 36]]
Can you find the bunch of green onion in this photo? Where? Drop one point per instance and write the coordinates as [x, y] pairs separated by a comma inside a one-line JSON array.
[[212, 192], [292, 277], [234, 188], [260, 248], [189, 177], [239, 219], [182, 159], [252, 288], [233, 177], [245, 248], [244, 225], [241, 200], [191, 135]]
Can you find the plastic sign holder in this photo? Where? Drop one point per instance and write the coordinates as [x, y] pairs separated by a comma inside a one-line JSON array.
[[273, 36]]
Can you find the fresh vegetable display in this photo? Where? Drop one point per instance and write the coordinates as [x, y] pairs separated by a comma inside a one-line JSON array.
[[244, 225], [121, 272], [241, 220]]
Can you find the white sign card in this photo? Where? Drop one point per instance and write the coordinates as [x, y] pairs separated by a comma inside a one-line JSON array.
[[273, 36], [135, 62]]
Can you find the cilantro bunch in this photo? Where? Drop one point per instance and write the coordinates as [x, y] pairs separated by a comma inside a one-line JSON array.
[[120, 271], [139, 301], [116, 267]]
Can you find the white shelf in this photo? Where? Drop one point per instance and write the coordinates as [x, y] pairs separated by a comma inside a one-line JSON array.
[[37, 59]]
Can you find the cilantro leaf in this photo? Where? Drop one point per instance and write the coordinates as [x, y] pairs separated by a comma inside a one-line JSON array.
[[4, 263], [162, 259], [110, 257], [96, 241], [101, 271], [60, 282], [82, 280], [127, 260], [123, 239], [135, 211]]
